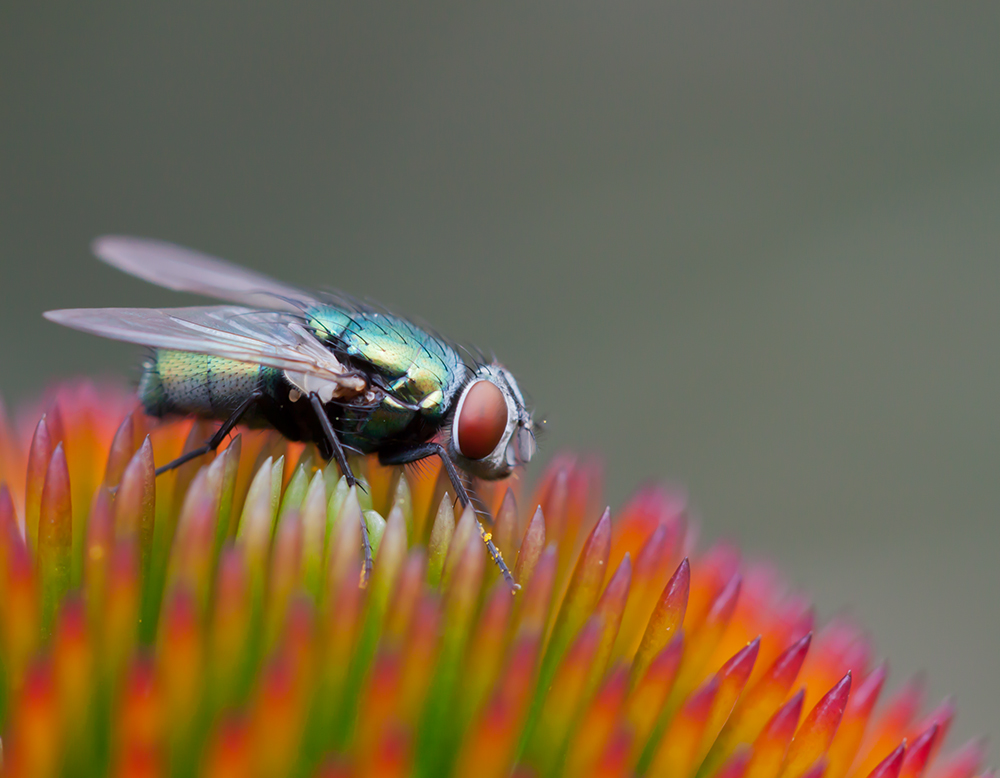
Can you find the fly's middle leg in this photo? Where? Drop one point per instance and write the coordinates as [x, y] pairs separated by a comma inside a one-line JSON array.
[[345, 468]]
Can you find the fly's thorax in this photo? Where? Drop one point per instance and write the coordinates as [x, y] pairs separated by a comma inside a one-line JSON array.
[[328, 323], [180, 382], [377, 338], [418, 369], [491, 430]]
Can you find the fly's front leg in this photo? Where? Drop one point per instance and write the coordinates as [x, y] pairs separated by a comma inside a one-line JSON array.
[[345, 468], [462, 492]]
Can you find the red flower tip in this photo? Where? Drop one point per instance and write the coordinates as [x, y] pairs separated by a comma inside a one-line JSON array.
[[531, 548], [814, 736], [666, 618], [891, 765], [941, 716], [121, 451], [919, 752]]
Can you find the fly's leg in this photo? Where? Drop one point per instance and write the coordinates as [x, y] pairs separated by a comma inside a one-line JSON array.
[[216, 440], [461, 490], [345, 468]]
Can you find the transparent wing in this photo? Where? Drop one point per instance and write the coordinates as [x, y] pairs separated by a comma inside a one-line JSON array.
[[183, 270], [272, 338]]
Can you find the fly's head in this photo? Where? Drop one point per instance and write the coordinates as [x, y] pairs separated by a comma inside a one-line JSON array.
[[491, 429]]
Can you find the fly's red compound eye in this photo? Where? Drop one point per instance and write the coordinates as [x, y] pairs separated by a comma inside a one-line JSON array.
[[482, 419]]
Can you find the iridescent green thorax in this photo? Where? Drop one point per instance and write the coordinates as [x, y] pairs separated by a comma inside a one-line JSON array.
[[419, 368]]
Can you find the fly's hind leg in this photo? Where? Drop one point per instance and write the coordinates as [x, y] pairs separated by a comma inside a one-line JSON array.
[[338, 454], [216, 440], [425, 450]]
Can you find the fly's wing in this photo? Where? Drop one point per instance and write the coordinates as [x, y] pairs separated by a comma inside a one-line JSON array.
[[184, 270], [271, 338]]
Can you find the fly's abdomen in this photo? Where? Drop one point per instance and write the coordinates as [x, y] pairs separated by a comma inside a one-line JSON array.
[[179, 382]]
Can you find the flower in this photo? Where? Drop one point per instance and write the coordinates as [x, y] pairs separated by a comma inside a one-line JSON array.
[[210, 622]]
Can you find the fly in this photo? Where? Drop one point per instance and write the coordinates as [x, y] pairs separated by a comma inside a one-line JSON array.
[[314, 367]]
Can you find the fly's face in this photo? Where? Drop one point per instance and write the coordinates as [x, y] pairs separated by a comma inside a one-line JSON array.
[[491, 430]]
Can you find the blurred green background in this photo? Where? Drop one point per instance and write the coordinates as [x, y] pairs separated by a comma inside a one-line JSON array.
[[755, 253]]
